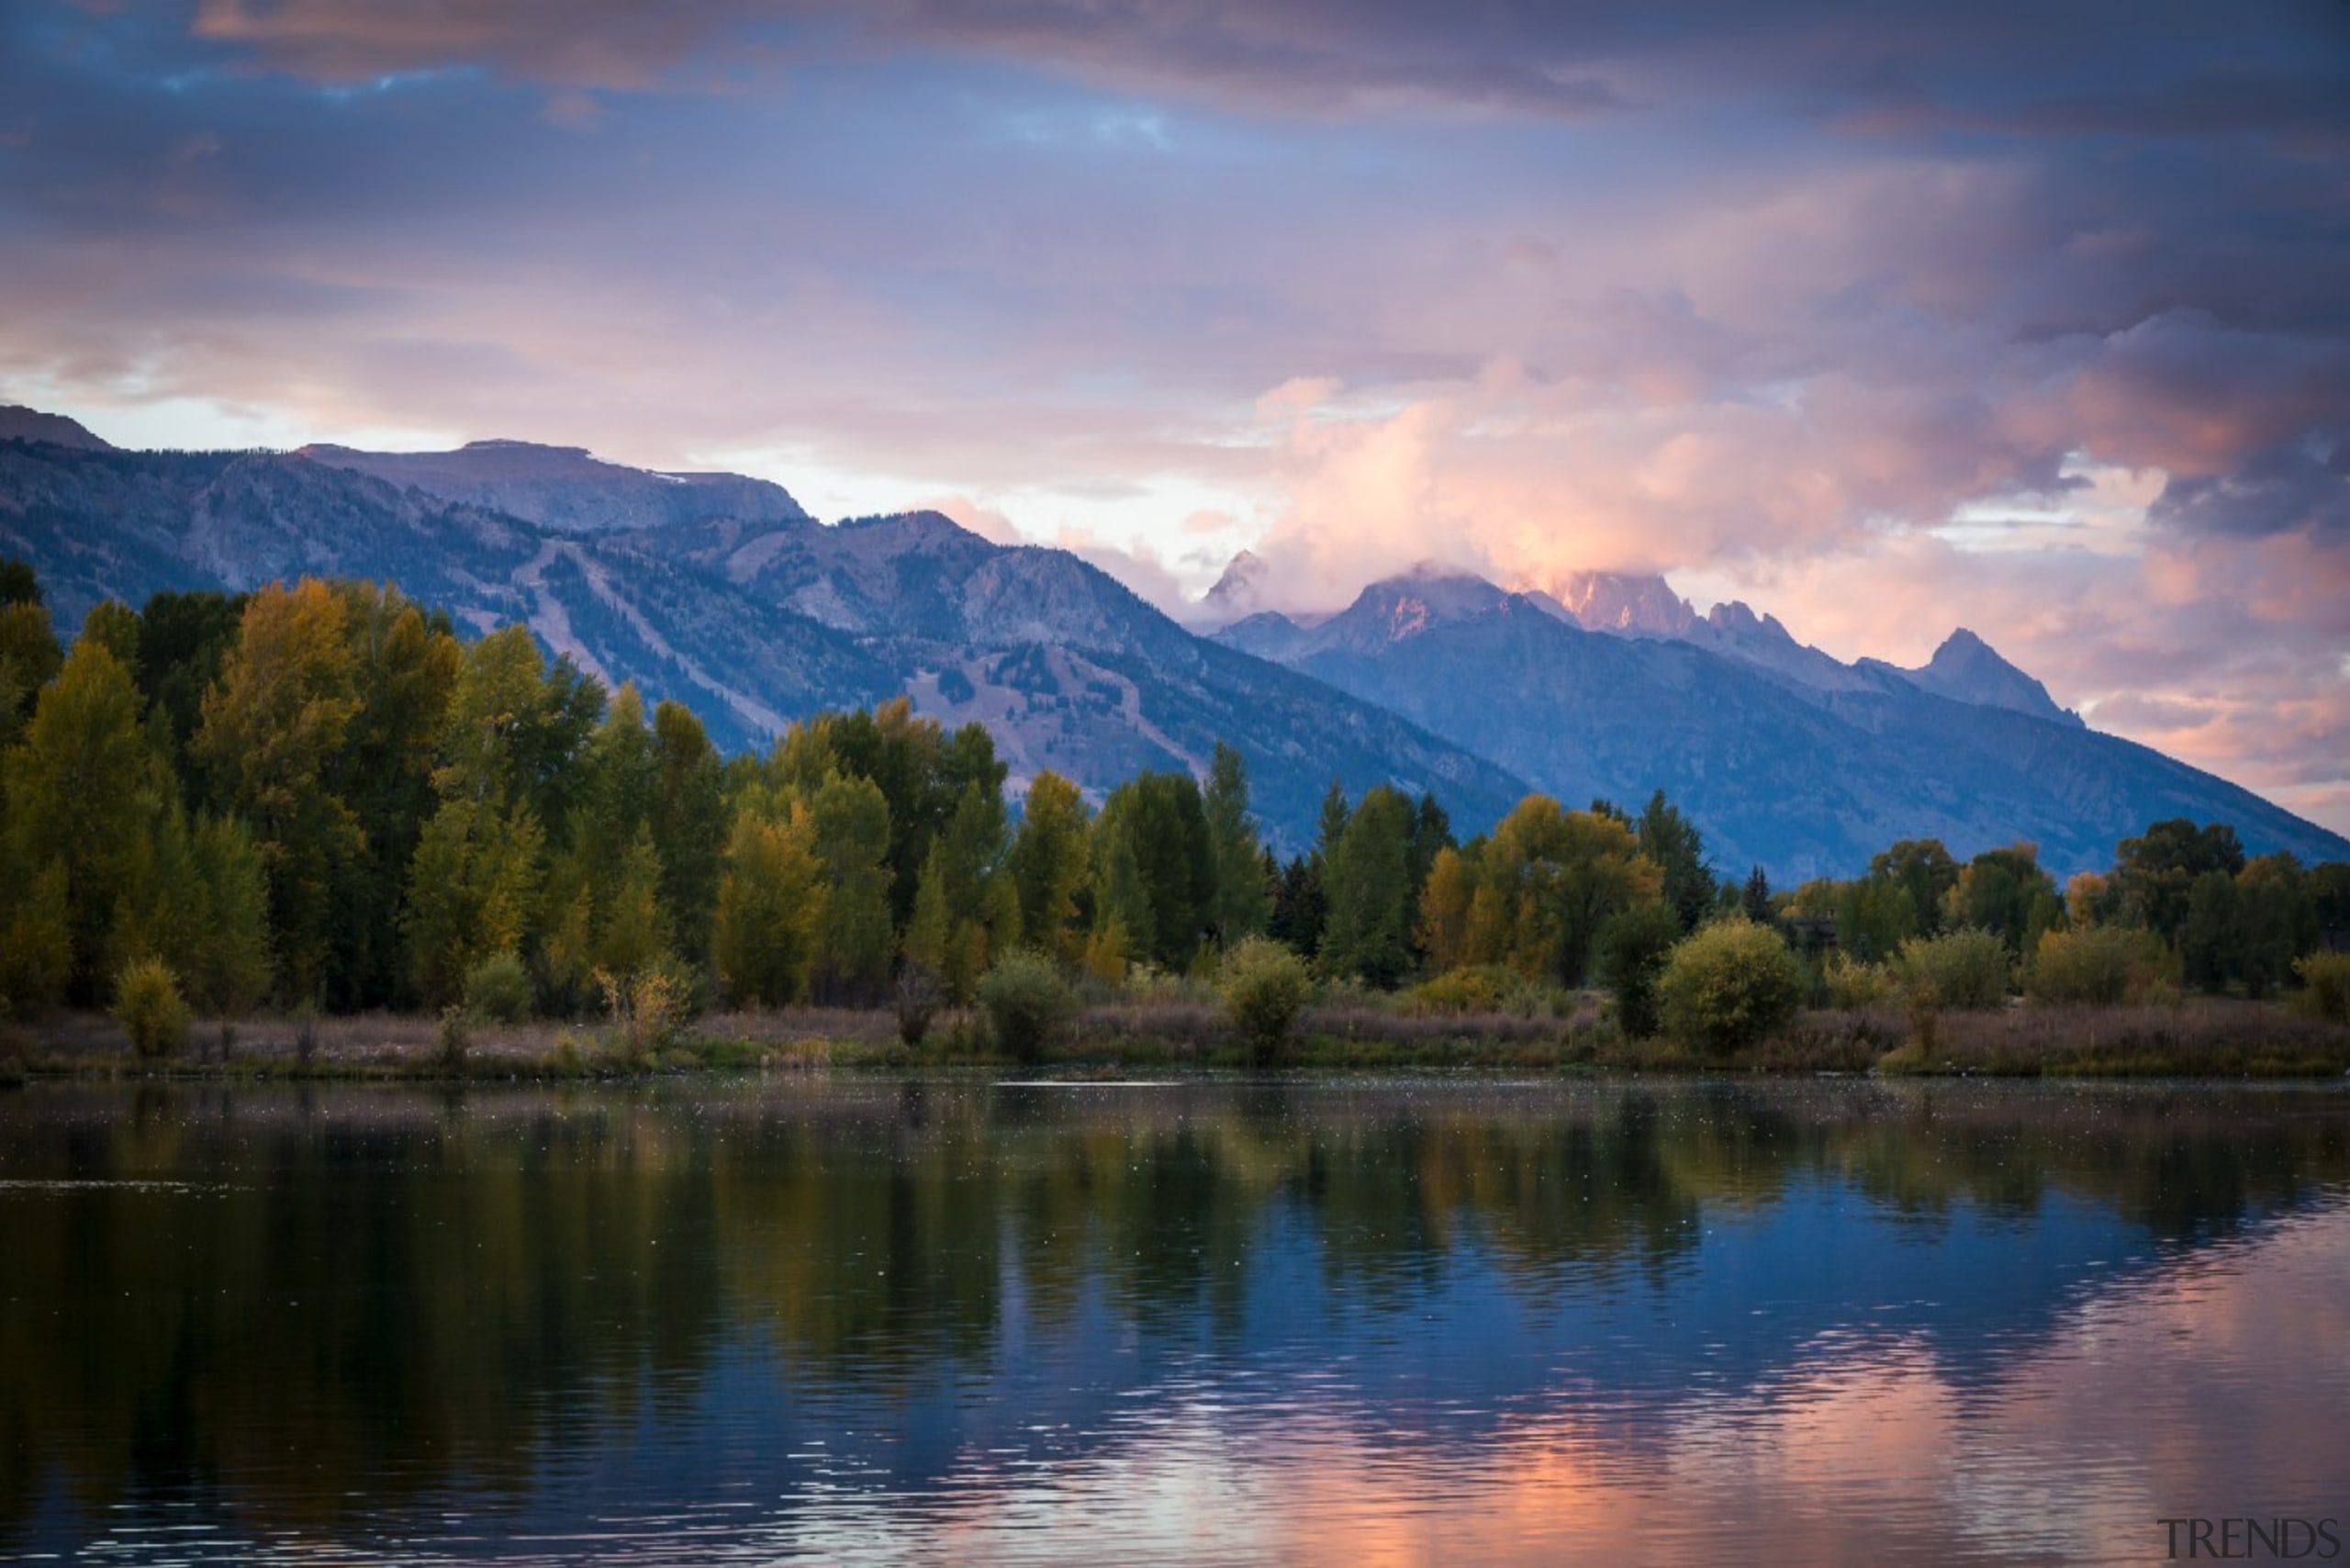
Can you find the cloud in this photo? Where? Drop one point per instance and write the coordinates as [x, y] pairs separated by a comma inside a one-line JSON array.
[[1864, 313]]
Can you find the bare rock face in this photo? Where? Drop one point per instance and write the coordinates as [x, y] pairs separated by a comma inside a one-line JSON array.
[[1615, 601]]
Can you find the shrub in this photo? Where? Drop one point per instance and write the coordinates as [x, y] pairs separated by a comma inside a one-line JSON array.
[[1963, 971], [450, 1043], [917, 995], [498, 990], [2325, 985], [1027, 1002], [1633, 947], [1265, 985], [1854, 986], [2102, 966], [1479, 987], [650, 1008], [148, 1004], [1728, 985]]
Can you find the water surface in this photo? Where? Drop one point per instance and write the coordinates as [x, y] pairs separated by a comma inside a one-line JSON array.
[[1315, 1322]]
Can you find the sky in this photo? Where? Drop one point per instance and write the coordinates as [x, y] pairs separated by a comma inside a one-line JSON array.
[[2033, 319]]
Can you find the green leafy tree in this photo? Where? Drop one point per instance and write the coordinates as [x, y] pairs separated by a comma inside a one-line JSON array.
[[851, 819], [1049, 864], [1239, 901], [2155, 872], [689, 825], [81, 797], [1372, 899], [1029, 1007], [770, 909], [1634, 946], [1677, 849], [271, 743], [1160, 819], [2005, 891]]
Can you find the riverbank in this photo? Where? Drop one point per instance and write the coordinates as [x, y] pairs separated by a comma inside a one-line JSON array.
[[2202, 1037]]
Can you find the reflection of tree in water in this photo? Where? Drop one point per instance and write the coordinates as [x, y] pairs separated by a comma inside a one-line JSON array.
[[371, 1294]]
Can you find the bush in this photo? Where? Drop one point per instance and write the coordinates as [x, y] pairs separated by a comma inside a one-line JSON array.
[[2100, 966], [2325, 985], [650, 1008], [1633, 947], [148, 1004], [1855, 987], [917, 995], [1479, 987], [1027, 1002], [1963, 971], [1727, 986], [498, 990], [1265, 986]]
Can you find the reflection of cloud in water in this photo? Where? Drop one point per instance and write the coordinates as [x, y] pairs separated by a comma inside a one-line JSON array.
[[2212, 1384]]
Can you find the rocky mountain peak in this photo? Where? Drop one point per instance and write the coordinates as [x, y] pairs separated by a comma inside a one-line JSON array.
[[1617, 601]]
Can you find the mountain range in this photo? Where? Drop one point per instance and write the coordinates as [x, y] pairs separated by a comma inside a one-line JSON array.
[[720, 591]]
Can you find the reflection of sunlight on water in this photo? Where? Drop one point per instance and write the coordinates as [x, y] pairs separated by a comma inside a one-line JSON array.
[[2213, 1385]]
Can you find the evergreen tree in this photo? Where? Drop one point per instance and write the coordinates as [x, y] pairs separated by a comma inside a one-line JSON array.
[[1299, 906], [1756, 900]]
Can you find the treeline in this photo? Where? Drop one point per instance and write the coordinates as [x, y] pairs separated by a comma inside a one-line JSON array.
[[322, 796]]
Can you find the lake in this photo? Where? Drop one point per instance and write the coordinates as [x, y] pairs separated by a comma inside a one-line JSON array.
[[1308, 1321]]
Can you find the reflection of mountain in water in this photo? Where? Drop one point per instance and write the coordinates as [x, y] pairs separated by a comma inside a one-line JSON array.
[[594, 1302]]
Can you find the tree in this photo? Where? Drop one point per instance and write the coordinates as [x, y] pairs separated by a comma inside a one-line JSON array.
[[2276, 921], [1164, 827], [1122, 913], [1300, 907], [404, 666], [1555, 877], [1446, 897], [2155, 872], [1755, 902], [1371, 897], [1049, 864], [1239, 901], [1674, 847], [770, 907], [689, 825], [271, 742], [1634, 946], [474, 890], [2005, 891], [82, 795], [851, 818], [1925, 872]]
